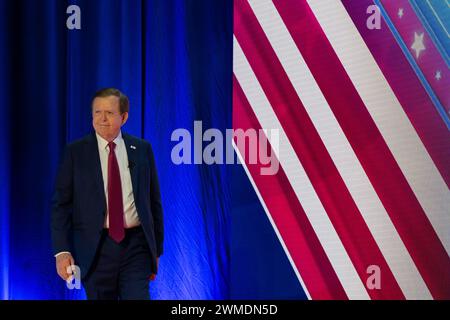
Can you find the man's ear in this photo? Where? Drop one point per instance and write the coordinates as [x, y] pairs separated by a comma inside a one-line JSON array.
[[124, 117]]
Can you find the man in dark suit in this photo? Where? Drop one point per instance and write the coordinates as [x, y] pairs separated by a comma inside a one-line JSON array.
[[106, 213]]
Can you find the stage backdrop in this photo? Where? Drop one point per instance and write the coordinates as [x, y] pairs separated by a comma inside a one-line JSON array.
[[174, 61], [359, 91], [359, 94]]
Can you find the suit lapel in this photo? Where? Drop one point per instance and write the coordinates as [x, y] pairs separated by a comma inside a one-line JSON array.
[[96, 168], [132, 162]]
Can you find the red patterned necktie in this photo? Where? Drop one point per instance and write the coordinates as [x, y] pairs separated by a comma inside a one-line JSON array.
[[115, 202]]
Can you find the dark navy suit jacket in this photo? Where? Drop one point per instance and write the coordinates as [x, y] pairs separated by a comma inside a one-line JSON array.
[[79, 202]]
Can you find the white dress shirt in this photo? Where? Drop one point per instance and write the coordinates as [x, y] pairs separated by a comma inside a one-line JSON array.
[[131, 218]]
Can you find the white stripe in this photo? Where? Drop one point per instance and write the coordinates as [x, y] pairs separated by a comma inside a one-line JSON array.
[[340, 150], [298, 179], [389, 116], [274, 226]]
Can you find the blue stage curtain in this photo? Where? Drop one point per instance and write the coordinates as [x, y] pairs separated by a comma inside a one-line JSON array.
[[188, 74], [173, 60]]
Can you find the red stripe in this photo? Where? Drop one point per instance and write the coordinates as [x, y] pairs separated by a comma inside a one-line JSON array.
[[312, 153], [288, 215], [380, 166]]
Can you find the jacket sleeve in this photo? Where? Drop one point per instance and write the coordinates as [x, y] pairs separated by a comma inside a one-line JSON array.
[[62, 205], [156, 206]]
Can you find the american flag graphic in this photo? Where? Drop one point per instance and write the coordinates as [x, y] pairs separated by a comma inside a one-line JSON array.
[[364, 142]]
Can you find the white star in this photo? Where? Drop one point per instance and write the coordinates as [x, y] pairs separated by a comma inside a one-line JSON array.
[[418, 44], [438, 75], [400, 13]]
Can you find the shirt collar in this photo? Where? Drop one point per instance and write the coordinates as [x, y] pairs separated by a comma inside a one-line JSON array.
[[103, 144]]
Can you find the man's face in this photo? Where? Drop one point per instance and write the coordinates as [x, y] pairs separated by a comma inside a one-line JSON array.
[[106, 117]]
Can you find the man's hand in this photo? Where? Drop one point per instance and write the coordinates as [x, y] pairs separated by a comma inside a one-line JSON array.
[[63, 261], [153, 275]]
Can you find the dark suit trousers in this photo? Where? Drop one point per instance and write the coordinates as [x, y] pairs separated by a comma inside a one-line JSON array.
[[120, 270]]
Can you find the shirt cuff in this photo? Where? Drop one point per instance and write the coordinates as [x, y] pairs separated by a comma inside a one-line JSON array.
[[59, 253]]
